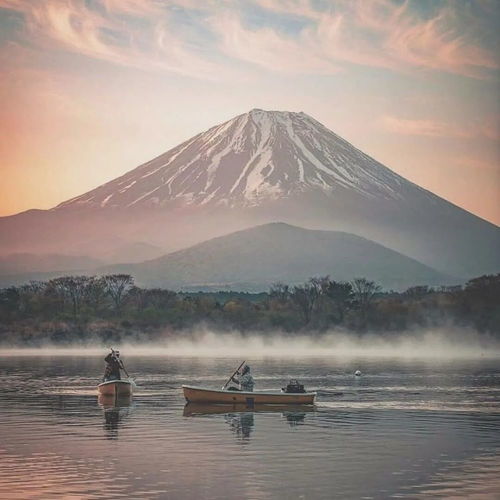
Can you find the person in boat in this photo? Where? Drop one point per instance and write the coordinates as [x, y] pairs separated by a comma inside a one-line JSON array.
[[245, 380], [113, 366]]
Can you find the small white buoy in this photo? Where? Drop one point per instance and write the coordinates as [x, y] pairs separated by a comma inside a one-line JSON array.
[[357, 373]]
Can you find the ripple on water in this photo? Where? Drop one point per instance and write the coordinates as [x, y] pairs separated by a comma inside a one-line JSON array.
[[399, 431]]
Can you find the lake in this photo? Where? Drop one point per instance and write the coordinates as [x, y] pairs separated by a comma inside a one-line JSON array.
[[405, 429]]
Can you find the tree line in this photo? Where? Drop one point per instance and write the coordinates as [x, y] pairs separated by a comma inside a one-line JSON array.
[[113, 307]]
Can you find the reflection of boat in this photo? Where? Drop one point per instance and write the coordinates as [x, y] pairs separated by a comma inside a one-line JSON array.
[[193, 409], [241, 417], [204, 395], [242, 424], [115, 388], [111, 401], [295, 418], [115, 409]]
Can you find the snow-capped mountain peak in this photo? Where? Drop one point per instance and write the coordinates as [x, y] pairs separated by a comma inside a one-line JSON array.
[[257, 156]]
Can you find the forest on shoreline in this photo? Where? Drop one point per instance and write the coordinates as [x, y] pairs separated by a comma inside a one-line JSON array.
[[81, 309]]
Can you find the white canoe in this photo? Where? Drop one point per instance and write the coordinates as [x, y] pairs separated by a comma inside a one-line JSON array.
[[195, 394], [115, 388]]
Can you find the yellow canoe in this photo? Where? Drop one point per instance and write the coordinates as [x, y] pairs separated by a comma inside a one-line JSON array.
[[115, 388], [195, 394]]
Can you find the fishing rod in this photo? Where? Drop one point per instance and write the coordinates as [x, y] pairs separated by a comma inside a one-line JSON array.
[[230, 378]]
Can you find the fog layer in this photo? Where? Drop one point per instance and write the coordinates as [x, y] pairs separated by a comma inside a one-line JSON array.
[[436, 343]]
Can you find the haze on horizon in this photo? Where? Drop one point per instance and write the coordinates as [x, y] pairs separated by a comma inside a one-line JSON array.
[[91, 89], [430, 344]]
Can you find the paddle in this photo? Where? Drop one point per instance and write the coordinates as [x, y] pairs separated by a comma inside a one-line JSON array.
[[236, 371]]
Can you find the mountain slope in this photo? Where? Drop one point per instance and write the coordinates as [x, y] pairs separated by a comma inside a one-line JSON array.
[[255, 157], [255, 258], [28, 263], [258, 168]]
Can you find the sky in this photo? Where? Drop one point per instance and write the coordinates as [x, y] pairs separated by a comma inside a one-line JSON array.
[[90, 89]]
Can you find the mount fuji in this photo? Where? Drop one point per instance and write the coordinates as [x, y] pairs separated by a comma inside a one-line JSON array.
[[257, 168], [254, 158]]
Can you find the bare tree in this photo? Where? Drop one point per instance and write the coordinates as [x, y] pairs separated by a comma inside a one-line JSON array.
[[117, 286], [341, 295], [28, 294], [139, 297], [320, 284], [305, 297], [73, 289], [95, 293], [364, 291], [158, 298], [280, 292], [35, 287]]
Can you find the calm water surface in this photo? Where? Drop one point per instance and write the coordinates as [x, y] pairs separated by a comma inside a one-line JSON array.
[[404, 429]]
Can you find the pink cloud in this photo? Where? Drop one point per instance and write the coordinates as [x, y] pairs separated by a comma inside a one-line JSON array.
[[381, 33], [75, 27], [488, 128], [267, 48], [374, 33]]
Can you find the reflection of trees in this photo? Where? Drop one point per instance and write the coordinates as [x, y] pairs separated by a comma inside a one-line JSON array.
[[241, 424]]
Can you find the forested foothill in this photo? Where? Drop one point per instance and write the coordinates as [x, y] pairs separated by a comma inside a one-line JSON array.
[[83, 309]]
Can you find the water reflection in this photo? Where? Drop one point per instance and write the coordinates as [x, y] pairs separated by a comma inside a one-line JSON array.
[[403, 430], [116, 408], [241, 424], [194, 409], [241, 417], [295, 418]]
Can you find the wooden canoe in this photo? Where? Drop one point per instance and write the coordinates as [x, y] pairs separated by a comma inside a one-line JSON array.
[[115, 388], [195, 394]]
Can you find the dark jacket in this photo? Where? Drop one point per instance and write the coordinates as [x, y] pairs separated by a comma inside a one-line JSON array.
[[113, 366]]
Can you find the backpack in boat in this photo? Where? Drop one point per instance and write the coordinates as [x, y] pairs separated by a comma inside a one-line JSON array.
[[294, 387]]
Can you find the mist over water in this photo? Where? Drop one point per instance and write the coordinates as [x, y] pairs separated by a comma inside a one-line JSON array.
[[442, 343], [405, 429]]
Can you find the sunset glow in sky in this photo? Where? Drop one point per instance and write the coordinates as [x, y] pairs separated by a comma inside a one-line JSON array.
[[89, 89]]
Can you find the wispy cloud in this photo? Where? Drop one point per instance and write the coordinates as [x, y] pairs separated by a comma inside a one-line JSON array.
[[333, 35], [488, 128], [376, 33], [111, 31], [268, 48]]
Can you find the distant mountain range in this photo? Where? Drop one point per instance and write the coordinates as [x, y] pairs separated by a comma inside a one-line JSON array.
[[258, 168], [255, 258], [32, 263]]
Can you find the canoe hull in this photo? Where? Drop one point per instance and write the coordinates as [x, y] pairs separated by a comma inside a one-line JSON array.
[[115, 388], [203, 395]]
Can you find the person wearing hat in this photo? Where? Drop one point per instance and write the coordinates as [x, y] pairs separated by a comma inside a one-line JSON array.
[[113, 366], [245, 380]]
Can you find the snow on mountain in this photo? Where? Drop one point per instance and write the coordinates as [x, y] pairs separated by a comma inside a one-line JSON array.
[[258, 168], [257, 156]]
